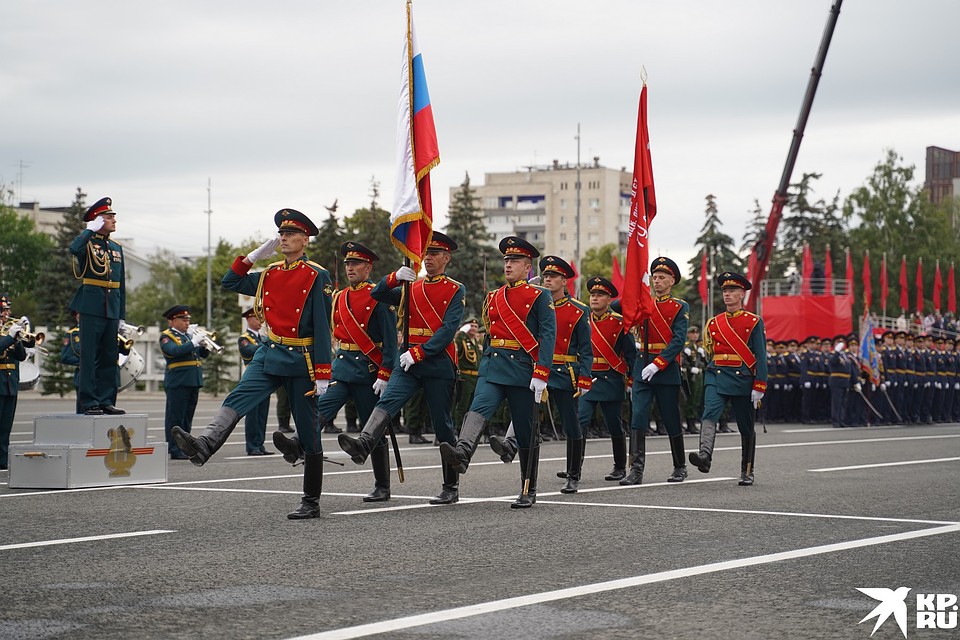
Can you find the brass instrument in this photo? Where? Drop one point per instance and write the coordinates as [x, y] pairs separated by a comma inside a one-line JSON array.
[[28, 338], [126, 333], [207, 338]]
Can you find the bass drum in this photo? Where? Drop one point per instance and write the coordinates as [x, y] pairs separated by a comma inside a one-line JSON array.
[[131, 368], [29, 376]]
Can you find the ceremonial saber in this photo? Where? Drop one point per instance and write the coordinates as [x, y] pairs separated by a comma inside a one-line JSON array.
[[870, 406], [534, 434], [894, 408]]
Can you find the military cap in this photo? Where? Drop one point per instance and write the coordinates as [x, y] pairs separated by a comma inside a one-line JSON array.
[[854, 338], [471, 319], [441, 242], [177, 311], [780, 343], [247, 313], [902, 334], [693, 329], [353, 251], [666, 265], [827, 340], [99, 208], [556, 264], [293, 220], [5, 301], [596, 284], [811, 339], [513, 246], [792, 341], [733, 279], [840, 338], [938, 340], [892, 334]]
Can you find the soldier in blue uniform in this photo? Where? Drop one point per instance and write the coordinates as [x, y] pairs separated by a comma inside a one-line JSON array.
[[255, 422], [183, 376], [365, 333], [737, 374], [810, 367], [12, 353], [293, 297], [841, 379], [101, 302], [435, 313], [517, 356]]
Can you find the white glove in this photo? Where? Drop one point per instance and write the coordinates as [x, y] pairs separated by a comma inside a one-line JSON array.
[[14, 330], [196, 339], [883, 386], [687, 351], [694, 370], [937, 385], [538, 386], [264, 250], [916, 385], [926, 385], [806, 385], [873, 387], [406, 273], [858, 387], [320, 387], [378, 386], [756, 397], [96, 224], [649, 371], [839, 347], [31, 351], [701, 352], [776, 386], [630, 392], [584, 390], [190, 329], [406, 360], [535, 280], [465, 328], [956, 385]]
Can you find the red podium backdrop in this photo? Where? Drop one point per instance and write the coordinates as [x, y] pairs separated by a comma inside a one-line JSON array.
[[797, 317]]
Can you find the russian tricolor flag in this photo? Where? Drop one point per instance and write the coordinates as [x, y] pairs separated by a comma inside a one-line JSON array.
[[411, 223]]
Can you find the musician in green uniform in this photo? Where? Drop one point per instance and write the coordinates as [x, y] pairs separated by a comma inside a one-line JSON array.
[[692, 365], [12, 352], [101, 302], [468, 363], [70, 355], [255, 422], [183, 376]]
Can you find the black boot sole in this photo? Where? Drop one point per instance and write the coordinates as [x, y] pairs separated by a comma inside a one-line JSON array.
[[352, 448], [695, 461], [449, 455]]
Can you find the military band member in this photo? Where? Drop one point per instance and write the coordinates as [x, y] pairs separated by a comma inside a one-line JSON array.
[[435, 311], [12, 352], [293, 297], [614, 355], [521, 332], [183, 374], [692, 366], [657, 372], [255, 422], [737, 374], [365, 333], [468, 363], [70, 355], [101, 302]]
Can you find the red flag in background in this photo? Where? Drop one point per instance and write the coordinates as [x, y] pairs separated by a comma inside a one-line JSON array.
[[828, 272], [919, 285], [951, 293], [704, 285], [849, 271], [904, 293], [937, 287], [883, 282], [616, 276], [806, 270], [867, 290], [637, 301], [572, 282]]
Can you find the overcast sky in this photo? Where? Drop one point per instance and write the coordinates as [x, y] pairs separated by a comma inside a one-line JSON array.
[[293, 104]]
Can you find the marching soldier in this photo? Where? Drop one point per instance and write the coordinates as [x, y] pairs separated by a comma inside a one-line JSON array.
[[293, 297], [468, 363], [182, 376], [657, 372], [12, 353], [101, 302], [521, 333], [737, 374], [435, 311], [255, 422], [692, 365], [365, 331]]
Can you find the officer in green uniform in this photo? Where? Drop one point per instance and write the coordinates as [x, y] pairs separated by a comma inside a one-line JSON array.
[[692, 365], [468, 363], [12, 353], [255, 422], [101, 302], [183, 376]]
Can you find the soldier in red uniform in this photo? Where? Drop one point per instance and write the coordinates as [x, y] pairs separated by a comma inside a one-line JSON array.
[[435, 309]]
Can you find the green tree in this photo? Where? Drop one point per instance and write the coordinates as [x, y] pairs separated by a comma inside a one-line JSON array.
[[818, 223], [169, 284], [371, 226], [23, 251], [325, 247], [475, 264], [721, 256]]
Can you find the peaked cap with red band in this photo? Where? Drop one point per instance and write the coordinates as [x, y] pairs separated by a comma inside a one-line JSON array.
[[101, 207], [513, 246], [293, 220]]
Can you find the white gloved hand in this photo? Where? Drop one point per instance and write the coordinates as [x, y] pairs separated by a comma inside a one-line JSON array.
[[406, 273], [538, 386], [807, 385], [535, 280], [96, 224], [858, 386], [378, 386], [926, 385], [196, 339], [883, 386], [756, 397], [465, 328], [916, 385], [406, 360], [688, 351], [320, 387], [701, 352], [937, 385], [630, 392], [776, 386], [264, 250], [873, 387], [956, 385], [839, 347], [584, 390], [31, 351], [695, 370], [15, 330], [649, 371]]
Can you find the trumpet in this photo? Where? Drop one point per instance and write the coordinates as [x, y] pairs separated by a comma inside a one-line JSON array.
[[25, 336], [207, 338], [127, 332]]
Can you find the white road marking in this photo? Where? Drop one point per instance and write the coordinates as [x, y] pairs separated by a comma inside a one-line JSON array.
[[884, 464], [408, 622], [111, 536]]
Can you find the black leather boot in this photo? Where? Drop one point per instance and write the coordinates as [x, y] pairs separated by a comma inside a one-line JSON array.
[[458, 456], [703, 458], [505, 447], [528, 500], [574, 465], [638, 458], [619, 458], [380, 460], [679, 465], [359, 448], [289, 447], [285, 424], [200, 449], [692, 426], [450, 492], [312, 486], [748, 446]]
